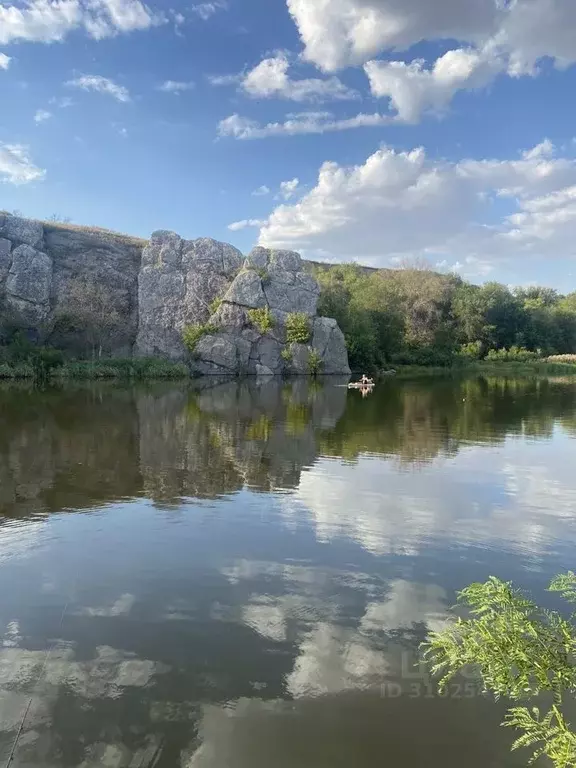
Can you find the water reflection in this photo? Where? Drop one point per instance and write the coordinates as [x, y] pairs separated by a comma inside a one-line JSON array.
[[255, 563]]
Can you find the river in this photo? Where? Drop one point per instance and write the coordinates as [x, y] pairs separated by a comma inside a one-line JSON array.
[[238, 575]]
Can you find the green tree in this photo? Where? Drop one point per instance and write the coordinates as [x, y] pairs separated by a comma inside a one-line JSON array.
[[519, 651]]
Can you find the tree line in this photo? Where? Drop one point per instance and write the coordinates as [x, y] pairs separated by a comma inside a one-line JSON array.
[[416, 316]]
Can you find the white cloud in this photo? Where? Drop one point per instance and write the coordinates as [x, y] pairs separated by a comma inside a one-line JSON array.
[[510, 36], [288, 188], [337, 33], [236, 226], [176, 86], [49, 21], [221, 80], [261, 191], [207, 10], [239, 127], [270, 79], [42, 115], [16, 167], [100, 85], [412, 89], [4, 61], [405, 204]]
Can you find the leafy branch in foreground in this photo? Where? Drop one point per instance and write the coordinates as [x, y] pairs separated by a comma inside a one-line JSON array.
[[519, 650]]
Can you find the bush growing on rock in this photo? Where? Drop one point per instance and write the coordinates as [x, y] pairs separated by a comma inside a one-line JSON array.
[[192, 334], [315, 363], [297, 328], [262, 318]]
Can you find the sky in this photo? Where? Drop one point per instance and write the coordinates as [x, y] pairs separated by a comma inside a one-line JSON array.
[[375, 131]]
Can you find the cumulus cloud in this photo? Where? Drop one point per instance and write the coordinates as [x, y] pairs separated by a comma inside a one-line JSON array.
[[100, 85], [412, 89], [270, 79], [405, 204], [42, 115], [495, 36], [4, 61], [48, 21], [238, 127], [288, 188], [175, 86], [16, 167], [338, 33]]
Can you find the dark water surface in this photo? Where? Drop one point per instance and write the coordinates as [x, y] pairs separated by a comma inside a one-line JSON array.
[[237, 576]]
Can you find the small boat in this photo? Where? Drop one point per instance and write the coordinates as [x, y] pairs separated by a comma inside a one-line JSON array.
[[361, 384]]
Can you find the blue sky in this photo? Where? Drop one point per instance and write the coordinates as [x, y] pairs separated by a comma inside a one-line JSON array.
[[247, 121]]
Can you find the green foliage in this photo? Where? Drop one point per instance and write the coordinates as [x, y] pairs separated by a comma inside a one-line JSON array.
[[262, 318], [297, 328], [286, 355], [315, 362], [513, 355], [471, 351], [192, 334], [418, 317], [519, 651], [215, 305], [123, 368]]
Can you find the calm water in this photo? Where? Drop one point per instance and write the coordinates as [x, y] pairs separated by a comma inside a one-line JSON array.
[[237, 577]]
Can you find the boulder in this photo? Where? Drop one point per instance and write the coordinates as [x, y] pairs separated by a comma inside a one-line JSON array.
[[300, 359], [328, 340], [22, 231], [291, 291], [263, 370], [246, 290], [29, 283]]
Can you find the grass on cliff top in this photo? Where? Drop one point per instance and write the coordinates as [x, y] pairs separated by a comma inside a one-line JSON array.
[[85, 228]]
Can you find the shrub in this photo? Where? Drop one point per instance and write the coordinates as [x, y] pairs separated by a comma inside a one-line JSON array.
[[262, 318], [192, 334], [215, 305], [519, 651], [286, 355], [471, 351], [297, 328], [315, 362], [513, 355], [6, 371]]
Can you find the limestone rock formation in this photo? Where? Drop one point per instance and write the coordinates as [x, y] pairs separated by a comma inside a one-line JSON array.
[[237, 343], [160, 287], [178, 281]]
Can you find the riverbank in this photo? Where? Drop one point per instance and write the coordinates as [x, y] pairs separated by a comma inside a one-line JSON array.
[[119, 368], [533, 367]]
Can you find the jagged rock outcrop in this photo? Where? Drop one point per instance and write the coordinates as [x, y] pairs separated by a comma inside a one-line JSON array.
[[178, 281], [160, 287], [237, 343]]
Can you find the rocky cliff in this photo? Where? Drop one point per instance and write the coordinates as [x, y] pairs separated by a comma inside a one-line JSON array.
[[162, 286]]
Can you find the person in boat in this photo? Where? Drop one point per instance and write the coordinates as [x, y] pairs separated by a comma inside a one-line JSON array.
[[365, 381]]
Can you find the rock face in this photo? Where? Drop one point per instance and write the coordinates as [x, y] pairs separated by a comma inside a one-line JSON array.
[[161, 286], [276, 282], [178, 281], [38, 263]]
